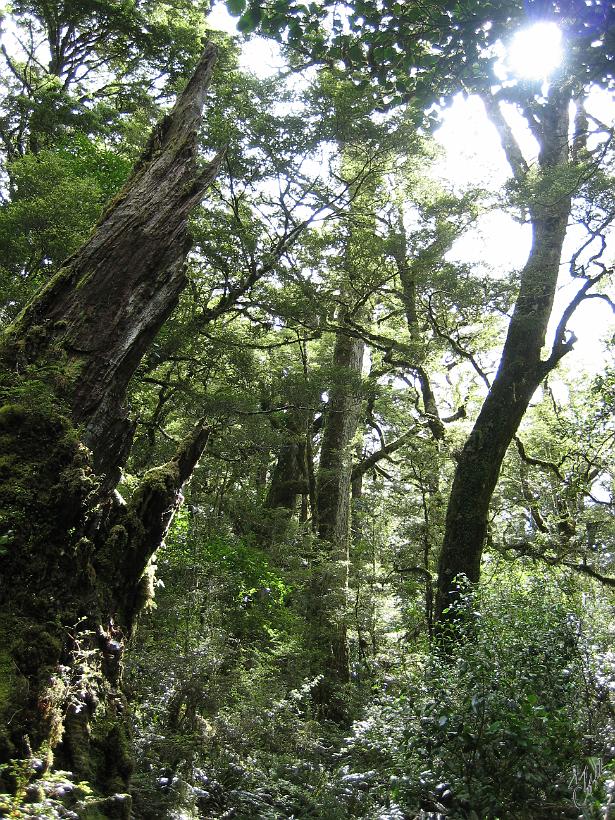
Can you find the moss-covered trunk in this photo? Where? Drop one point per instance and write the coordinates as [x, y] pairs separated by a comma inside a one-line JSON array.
[[328, 592], [75, 559], [289, 479]]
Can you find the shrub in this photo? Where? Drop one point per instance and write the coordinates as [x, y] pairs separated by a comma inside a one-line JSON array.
[[507, 723]]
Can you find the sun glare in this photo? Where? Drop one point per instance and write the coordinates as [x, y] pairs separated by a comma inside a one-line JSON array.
[[535, 52]]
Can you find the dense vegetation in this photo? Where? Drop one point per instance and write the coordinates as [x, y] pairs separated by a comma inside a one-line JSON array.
[[300, 515]]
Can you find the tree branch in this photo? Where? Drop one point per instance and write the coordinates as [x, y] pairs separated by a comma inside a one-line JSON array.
[[511, 148], [537, 462], [363, 466], [561, 345]]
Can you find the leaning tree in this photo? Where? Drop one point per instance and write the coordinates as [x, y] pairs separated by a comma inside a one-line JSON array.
[[566, 186]]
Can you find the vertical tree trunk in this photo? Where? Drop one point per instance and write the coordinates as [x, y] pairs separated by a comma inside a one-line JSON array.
[[79, 558], [289, 479], [328, 592], [521, 368], [408, 280], [335, 467]]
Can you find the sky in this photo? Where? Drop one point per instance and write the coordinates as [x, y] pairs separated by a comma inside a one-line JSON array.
[[472, 155]]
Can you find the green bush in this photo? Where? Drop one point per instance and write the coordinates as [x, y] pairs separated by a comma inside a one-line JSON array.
[[509, 722]]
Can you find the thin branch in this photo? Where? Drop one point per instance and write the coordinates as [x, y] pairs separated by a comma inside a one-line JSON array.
[[537, 462], [561, 344]]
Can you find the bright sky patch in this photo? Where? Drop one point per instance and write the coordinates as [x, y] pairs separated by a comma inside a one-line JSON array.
[[535, 52]]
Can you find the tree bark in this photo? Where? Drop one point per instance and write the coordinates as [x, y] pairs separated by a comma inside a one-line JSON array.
[[101, 311], [335, 467], [408, 279], [328, 590], [521, 368], [78, 558], [288, 480]]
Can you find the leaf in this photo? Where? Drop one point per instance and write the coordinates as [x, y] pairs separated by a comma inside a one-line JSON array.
[[249, 21], [235, 7]]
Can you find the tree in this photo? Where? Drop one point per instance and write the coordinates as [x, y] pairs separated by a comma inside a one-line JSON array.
[[549, 194], [406, 52], [77, 554], [254, 349]]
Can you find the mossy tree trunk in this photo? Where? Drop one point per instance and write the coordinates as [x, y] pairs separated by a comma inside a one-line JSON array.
[[77, 561], [328, 592], [521, 367], [289, 479]]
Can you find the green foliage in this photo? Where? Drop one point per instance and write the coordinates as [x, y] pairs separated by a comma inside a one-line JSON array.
[[514, 722], [253, 591], [57, 196], [50, 794], [499, 726], [410, 51]]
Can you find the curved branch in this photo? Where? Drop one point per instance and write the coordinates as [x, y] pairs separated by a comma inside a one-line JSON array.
[[363, 466], [561, 344], [537, 462]]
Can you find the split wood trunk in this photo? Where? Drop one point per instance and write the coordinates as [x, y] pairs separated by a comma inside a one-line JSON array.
[[77, 561]]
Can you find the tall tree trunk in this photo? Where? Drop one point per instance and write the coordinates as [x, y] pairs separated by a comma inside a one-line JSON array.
[[335, 467], [289, 479], [77, 561], [521, 368], [328, 593], [408, 279]]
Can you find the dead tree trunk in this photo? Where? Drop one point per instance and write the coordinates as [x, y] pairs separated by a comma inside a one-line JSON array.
[[101, 311], [521, 368], [76, 565]]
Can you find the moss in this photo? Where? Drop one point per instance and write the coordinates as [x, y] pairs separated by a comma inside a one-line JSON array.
[[91, 811], [12, 689], [157, 482], [118, 537], [118, 806], [8, 678], [14, 330], [12, 416], [48, 506], [83, 281], [146, 589], [45, 494], [7, 463], [106, 559], [34, 794], [36, 648], [46, 474], [119, 751]]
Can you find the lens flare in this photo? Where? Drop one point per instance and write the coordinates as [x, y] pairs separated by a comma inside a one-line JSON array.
[[535, 52]]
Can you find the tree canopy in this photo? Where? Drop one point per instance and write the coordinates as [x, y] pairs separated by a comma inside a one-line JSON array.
[[302, 513]]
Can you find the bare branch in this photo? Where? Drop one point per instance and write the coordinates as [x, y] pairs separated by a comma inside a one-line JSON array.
[[561, 344], [537, 462]]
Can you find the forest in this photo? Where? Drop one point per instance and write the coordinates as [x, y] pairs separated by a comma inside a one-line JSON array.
[[307, 501]]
